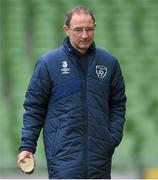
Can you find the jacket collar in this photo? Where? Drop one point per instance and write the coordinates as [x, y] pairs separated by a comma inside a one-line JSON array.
[[72, 51]]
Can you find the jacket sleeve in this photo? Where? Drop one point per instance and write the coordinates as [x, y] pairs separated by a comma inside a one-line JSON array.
[[35, 105], [117, 105]]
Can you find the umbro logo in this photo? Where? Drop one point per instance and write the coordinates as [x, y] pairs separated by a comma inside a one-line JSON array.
[[65, 69]]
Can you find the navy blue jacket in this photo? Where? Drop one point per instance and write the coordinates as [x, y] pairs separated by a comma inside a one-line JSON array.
[[79, 101]]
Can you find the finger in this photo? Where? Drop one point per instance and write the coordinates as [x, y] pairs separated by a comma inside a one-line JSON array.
[[21, 158]]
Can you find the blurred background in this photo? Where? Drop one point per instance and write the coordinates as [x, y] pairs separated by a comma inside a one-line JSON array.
[[128, 29]]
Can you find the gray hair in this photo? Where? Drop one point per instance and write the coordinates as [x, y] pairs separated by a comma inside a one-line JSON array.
[[78, 9]]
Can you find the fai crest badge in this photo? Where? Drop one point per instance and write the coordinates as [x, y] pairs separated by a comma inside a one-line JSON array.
[[101, 71]]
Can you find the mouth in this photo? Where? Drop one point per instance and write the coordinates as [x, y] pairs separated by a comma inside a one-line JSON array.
[[84, 42]]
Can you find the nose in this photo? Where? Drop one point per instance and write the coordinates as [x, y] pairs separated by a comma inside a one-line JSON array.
[[84, 33]]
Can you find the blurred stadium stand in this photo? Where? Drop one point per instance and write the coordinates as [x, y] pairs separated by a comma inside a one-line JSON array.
[[128, 29]]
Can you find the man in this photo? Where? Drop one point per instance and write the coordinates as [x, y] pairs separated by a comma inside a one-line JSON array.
[[77, 95]]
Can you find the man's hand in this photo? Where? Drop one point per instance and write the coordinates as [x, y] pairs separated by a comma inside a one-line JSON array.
[[23, 155]]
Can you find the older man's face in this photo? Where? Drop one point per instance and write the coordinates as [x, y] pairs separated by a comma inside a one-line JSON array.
[[81, 31]]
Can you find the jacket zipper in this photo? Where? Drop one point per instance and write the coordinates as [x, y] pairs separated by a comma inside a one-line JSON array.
[[85, 114]]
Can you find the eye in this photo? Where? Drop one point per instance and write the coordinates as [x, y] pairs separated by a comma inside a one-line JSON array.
[[78, 30], [90, 29]]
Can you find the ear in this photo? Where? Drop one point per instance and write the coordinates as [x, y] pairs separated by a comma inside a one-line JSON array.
[[66, 30]]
